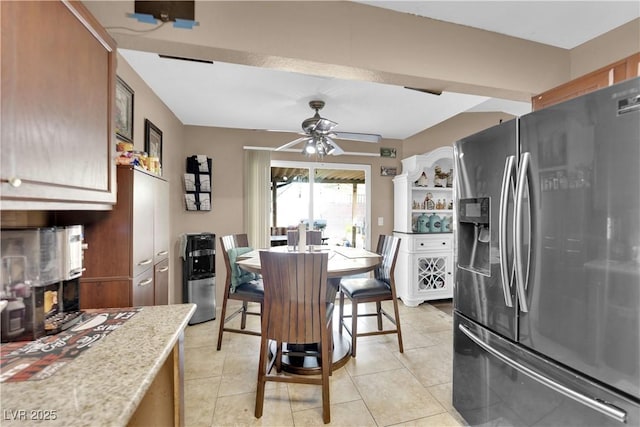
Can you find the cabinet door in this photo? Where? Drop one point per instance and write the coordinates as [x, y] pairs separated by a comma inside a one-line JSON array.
[[598, 79], [142, 289], [161, 221], [633, 66], [108, 234], [431, 271], [58, 85], [143, 208], [433, 275], [105, 293], [161, 279]]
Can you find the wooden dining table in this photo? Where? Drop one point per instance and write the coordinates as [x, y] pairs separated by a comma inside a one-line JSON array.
[[343, 261]]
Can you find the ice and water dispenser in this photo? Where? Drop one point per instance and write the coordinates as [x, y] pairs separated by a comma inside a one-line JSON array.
[[475, 235], [199, 275]]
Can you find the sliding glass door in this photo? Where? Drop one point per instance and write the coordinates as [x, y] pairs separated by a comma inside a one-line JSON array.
[[331, 197]]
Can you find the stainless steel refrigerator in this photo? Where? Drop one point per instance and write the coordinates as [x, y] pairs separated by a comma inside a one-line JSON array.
[[547, 286]]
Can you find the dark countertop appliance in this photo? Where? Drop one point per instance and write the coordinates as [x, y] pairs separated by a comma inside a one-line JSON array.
[[39, 279]]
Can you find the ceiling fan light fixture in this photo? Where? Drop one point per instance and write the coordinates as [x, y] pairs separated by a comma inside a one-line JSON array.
[[331, 149], [319, 134], [309, 148], [322, 146]]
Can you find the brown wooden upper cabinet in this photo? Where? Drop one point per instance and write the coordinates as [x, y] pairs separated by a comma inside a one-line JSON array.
[[58, 88], [614, 73]]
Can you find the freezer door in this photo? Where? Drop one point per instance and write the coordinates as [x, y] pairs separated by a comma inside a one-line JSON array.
[[485, 173], [496, 382], [582, 282]]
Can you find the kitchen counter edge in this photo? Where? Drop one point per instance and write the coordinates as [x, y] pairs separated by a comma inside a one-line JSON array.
[[104, 385]]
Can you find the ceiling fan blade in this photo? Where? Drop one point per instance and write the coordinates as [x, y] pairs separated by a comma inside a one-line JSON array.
[[365, 137], [292, 143], [337, 150], [323, 126]]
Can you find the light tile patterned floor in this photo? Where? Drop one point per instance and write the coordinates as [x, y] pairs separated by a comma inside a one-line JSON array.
[[380, 387]]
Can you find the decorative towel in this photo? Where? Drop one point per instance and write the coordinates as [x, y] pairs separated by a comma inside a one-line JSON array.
[[238, 275]]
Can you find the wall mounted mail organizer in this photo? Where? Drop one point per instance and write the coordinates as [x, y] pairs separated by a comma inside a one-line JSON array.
[[197, 183]]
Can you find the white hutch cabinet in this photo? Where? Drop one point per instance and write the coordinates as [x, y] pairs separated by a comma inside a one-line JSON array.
[[423, 219]]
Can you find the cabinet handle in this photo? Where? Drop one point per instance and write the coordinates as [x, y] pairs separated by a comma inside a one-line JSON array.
[[162, 253], [145, 282], [146, 261], [15, 182], [163, 269]]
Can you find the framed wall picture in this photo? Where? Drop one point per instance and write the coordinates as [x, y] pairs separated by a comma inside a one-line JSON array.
[[124, 111], [388, 152], [153, 142], [388, 171]]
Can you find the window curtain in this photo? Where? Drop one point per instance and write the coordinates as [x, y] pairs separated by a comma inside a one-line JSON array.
[[257, 190]]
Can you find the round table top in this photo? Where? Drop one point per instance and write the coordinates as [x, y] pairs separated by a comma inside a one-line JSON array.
[[343, 261]]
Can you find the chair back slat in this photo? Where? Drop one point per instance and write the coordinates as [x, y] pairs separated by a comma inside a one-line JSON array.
[[314, 237], [388, 247], [230, 242], [295, 295]]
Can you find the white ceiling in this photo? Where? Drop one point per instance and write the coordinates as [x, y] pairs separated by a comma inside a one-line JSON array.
[[564, 24], [245, 97]]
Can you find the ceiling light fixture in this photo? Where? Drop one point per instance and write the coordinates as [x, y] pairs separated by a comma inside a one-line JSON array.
[[309, 148], [319, 145]]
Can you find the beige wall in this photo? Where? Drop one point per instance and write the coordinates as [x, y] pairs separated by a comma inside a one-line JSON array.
[[355, 41], [446, 133], [606, 49], [148, 105], [225, 147], [366, 43]]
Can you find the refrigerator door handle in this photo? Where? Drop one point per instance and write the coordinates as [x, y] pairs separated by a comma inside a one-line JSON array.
[[595, 404], [521, 277], [457, 176], [502, 232]]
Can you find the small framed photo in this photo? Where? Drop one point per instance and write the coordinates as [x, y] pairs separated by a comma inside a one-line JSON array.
[[152, 140], [388, 152], [124, 111], [388, 171]]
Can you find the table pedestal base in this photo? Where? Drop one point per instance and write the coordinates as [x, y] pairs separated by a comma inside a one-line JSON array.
[[309, 365]]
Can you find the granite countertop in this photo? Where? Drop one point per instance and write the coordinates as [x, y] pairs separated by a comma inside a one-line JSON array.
[[105, 384]]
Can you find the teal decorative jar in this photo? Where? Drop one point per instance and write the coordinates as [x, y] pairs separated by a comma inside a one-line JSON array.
[[435, 223]]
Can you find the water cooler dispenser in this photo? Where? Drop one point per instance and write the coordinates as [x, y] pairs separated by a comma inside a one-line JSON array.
[[199, 275]]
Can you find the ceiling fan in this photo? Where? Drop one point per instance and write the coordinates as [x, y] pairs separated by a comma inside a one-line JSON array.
[[319, 135]]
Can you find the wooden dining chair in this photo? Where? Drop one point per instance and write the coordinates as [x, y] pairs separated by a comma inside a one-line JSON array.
[[295, 312], [314, 237], [380, 288], [250, 290]]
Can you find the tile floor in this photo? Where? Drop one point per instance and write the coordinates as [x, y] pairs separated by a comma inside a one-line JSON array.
[[380, 387]]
